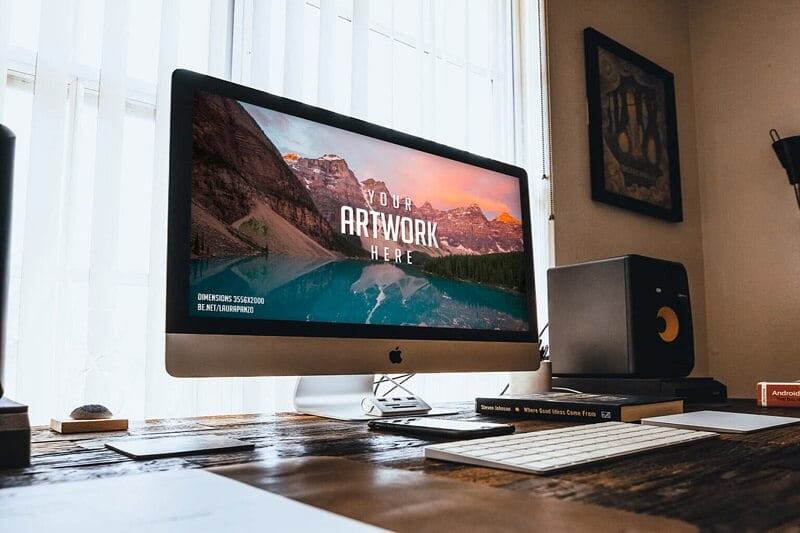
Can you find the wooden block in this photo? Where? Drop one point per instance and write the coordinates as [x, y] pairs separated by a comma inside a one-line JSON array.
[[69, 425]]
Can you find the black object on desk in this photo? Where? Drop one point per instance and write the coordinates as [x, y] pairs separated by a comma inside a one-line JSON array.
[[7, 140], [15, 428], [15, 435], [692, 390], [442, 427]]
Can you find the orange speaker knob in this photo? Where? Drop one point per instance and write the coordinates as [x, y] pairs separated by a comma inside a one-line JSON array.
[[671, 324]]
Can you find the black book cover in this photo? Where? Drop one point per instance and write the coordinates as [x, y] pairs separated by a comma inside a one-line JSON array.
[[578, 407]]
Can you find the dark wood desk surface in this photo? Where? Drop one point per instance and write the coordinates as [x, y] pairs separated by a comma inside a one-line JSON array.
[[735, 483]]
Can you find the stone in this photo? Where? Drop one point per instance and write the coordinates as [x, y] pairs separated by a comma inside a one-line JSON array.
[[92, 411]]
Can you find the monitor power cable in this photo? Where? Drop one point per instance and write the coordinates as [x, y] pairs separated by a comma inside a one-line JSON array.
[[397, 381], [544, 353]]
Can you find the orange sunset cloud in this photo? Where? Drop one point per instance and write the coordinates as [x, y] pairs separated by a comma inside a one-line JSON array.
[[424, 177], [448, 184]]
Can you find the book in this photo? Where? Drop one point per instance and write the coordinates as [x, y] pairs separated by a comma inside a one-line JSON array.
[[778, 393], [579, 407]]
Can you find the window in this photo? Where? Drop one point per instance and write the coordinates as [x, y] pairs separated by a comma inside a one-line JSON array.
[[87, 93]]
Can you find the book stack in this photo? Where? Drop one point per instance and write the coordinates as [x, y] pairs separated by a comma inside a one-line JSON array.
[[579, 407], [778, 393]]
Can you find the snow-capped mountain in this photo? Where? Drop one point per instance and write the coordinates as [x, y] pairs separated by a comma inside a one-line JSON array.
[[462, 230]]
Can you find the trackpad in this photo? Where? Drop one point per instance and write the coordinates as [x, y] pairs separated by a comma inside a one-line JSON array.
[[154, 448]]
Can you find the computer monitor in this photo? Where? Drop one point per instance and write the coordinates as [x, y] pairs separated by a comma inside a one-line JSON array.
[[305, 242]]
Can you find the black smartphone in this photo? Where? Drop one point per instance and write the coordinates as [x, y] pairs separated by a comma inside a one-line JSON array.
[[442, 427]]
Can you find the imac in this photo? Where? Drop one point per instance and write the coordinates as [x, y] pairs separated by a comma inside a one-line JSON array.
[[304, 242]]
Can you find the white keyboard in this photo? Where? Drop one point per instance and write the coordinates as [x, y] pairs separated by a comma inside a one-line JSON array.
[[541, 452]]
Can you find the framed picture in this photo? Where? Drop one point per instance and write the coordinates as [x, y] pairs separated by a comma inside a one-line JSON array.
[[633, 137]]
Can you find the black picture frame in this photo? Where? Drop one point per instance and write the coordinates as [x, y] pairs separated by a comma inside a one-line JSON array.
[[633, 134]]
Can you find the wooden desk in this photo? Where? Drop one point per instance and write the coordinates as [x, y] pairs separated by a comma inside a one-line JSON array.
[[735, 483]]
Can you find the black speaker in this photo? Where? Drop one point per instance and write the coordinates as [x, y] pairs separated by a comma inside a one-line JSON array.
[[7, 139], [15, 427], [624, 316]]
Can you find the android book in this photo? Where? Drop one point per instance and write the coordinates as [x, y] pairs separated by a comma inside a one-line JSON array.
[[579, 407], [778, 394]]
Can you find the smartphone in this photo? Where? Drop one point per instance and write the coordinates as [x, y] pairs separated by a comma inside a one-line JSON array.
[[442, 427]]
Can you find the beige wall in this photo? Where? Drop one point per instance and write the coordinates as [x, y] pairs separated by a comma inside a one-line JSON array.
[[659, 30], [746, 65]]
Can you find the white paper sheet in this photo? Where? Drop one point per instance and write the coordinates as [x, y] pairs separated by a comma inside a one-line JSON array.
[[179, 501]]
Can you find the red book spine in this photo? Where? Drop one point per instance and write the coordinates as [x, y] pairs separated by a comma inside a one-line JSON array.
[[773, 394]]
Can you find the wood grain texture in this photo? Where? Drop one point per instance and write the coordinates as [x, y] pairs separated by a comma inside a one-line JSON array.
[[69, 426], [403, 501], [734, 483]]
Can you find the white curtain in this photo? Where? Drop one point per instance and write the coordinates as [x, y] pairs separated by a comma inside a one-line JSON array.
[[85, 86]]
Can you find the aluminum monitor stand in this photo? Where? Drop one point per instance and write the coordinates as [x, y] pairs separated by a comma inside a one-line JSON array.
[[340, 397]]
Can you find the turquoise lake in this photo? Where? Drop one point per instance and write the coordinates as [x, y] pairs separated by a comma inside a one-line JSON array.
[[352, 291]]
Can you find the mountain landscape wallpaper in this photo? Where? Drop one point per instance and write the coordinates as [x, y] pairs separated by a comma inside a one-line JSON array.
[[296, 220]]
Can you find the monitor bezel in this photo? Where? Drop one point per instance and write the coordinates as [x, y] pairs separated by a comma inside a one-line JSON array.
[[180, 320]]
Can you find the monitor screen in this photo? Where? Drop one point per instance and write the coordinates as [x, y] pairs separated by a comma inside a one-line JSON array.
[[294, 220], [302, 241]]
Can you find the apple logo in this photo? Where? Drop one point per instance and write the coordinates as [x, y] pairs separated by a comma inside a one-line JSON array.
[[395, 356]]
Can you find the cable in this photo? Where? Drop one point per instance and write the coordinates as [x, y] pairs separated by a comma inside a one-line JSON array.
[[544, 352], [797, 193], [543, 330], [398, 382]]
